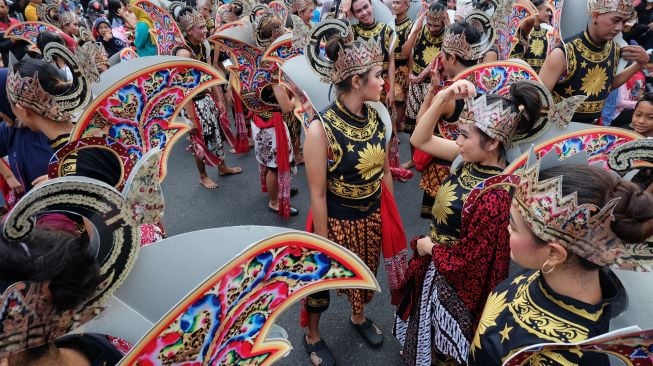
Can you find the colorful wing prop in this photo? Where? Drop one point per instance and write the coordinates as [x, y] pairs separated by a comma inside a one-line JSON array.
[[136, 111], [168, 34], [226, 319], [631, 346], [28, 31], [28, 319], [507, 37]]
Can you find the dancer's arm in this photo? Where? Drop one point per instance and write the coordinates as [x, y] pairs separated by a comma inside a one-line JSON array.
[[315, 160]]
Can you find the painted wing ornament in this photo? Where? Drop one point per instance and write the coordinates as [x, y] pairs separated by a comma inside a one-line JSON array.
[[168, 34], [127, 54], [631, 346], [29, 318], [508, 36], [138, 113], [28, 31], [289, 45], [226, 319]]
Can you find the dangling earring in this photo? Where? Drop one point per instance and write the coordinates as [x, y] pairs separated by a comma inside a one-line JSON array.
[[547, 271]]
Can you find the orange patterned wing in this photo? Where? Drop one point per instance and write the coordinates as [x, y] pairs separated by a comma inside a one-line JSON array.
[[226, 319]]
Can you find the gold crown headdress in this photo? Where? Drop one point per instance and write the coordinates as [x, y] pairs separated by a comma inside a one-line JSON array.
[[29, 91], [354, 58], [441, 16], [583, 228], [191, 19], [495, 120], [623, 7], [67, 17]]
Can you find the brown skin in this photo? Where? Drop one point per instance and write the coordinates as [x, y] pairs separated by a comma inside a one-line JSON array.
[[643, 119]]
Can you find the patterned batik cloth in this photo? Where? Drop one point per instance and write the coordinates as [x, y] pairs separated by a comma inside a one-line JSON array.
[[265, 146], [206, 138], [524, 310], [432, 178], [470, 257], [363, 238]]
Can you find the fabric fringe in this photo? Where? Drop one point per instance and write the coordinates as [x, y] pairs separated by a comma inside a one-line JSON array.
[[395, 253], [242, 144], [224, 124]]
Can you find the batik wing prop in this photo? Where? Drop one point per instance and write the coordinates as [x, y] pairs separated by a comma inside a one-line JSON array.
[[289, 45], [49, 13], [594, 142], [29, 317], [252, 74], [168, 34], [631, 155], [554, 35], [507, 37], [226, 319], [630, 346], [280, 10], [490, 78], [135, 111], [28, 31]]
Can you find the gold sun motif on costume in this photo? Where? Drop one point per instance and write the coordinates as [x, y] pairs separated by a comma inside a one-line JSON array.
[[370, 161], [443, 200], [594, 81], [495, 304], [429, 54], [537, 47]]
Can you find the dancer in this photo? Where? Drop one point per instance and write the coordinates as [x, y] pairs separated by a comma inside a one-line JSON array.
[[348, 171], [206, 137], [587, 63], [564, 231], [533, 44], [422, 47], [403, 25], [466, 253]]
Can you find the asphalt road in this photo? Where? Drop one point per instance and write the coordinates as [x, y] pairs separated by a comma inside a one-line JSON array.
[[239, 201]]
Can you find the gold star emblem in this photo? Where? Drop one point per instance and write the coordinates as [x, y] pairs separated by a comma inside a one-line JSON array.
[[595, 81], [517, 280], [583, 64], [505, 333], [609, 63], [381, 134], [350, 147], [569, 90]]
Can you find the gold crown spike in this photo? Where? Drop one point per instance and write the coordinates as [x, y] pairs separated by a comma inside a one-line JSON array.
[[320, 34], [623, 7], [356, 58], [191, 19], [68, 17], [583, 228], [438, 16], [28, 92], [496, 121]]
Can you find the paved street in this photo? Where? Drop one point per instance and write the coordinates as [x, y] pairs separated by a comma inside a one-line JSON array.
[[239, 201]]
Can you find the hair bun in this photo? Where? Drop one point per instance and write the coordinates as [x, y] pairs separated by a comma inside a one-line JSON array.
[[633, 214]]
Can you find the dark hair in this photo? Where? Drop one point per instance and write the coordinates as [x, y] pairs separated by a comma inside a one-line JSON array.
[[331, 49], [645, 98], [524, 99], [537, 3], [472, 35], [113, 6], [49, 77], [633, 221], [353, 1], [268, 25], [185, 10], [60, 257], [437, 6], [44, 38], [237, 9]]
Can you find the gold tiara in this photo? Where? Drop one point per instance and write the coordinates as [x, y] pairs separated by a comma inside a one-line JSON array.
[[456, 44], [623, 7], [496, 121], [68, 17], [438, 16], [191, 19], [28, 92]]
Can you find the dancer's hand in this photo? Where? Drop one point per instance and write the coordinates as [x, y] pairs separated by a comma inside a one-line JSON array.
[[425, 246], [461, 89]]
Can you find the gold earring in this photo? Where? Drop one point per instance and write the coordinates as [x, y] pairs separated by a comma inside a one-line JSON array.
[[550, 270]]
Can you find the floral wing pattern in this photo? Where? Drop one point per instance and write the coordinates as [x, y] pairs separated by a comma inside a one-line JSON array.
[[226, 319], [138, 114], [168, 34]]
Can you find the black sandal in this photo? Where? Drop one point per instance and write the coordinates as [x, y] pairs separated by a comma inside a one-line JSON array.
[[319, 353], [370, 332]]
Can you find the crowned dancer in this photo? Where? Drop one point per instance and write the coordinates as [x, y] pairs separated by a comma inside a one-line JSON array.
[[466, 252], [206, 137], [348, 173], [587, 63], [303, 9], [422, 47], [564, 232]]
